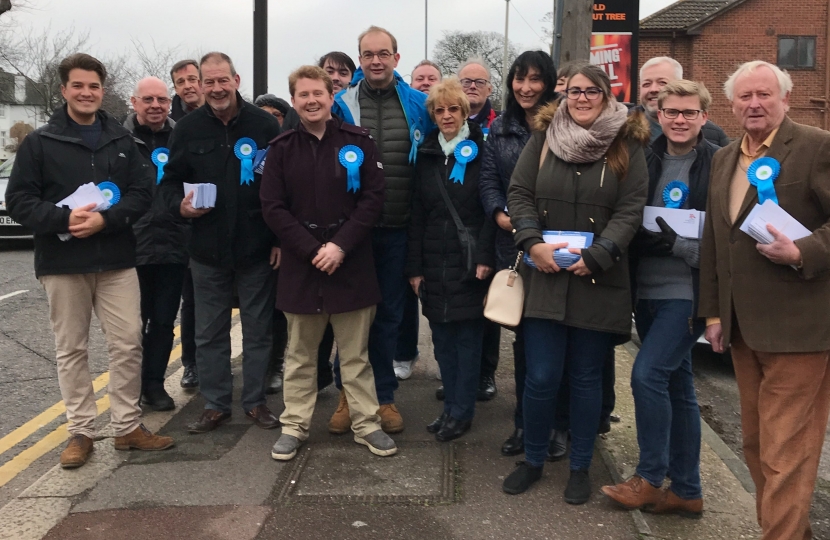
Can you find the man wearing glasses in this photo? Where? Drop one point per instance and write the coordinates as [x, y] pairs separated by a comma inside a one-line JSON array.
[[475, 80], [396, 116], [161, 259]]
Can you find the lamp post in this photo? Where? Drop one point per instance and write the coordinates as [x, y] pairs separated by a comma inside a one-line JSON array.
[[504, 65], [260, 47]]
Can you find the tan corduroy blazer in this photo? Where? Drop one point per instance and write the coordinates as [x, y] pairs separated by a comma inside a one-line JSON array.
[[778, 309]]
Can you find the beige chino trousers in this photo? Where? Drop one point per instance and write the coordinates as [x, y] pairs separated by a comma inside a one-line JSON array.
[[351, 333], [115, 298]]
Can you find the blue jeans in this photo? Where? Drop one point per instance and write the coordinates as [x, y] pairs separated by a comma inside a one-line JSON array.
[[389, 247], [407, 348], [549, 346], [458, 352], [665, 405]]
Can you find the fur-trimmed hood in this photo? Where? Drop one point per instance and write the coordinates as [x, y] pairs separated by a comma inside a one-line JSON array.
[[636, 126]]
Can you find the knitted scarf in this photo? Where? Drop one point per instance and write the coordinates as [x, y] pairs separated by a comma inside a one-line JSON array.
[[448, 147], [572, 143]]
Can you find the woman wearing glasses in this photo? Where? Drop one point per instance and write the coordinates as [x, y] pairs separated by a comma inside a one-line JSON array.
[[583, 170], [451, 252], [531, 80]]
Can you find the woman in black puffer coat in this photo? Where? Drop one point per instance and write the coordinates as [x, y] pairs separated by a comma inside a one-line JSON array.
[[451, 287]]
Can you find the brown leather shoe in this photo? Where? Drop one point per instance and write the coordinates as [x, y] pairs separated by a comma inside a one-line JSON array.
[[634, 493], [263, 417], [341, 422], [77, 452], [669, 503], [210, 420], [390, 418], [142, 439]]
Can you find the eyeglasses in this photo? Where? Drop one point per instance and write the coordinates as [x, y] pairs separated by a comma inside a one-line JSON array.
[[439, 111], [592, 93], [688, 114], [480, 83], [382, 55], [148, 100]]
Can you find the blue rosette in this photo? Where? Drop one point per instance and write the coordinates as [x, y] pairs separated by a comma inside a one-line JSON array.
[[110, 192], [245, 149], [351, 157], [416, 137], [675, 194], [465, 152], [762, 174], [160, 157]]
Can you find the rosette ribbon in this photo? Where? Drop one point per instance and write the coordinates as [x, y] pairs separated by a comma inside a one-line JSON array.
[[245, 149], [351, 157], [416, 137], [675, 194], [762, 174], [160, 157], [110, 192], [465, 152]]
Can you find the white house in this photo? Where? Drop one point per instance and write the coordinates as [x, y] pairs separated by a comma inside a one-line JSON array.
[[19, 102]]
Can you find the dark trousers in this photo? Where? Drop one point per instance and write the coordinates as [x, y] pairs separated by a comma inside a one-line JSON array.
[[457, 347], [188, 321], [161, 290], [280, 340], [490, 348], [389, 247], [407, 348], [213, 291], [609, 396], [549, 346]]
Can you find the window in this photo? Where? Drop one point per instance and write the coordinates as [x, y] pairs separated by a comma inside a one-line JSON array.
[[797, 52], [2, 110]]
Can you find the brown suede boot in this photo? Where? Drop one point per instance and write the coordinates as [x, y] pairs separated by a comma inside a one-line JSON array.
[[669, 503], [77, 452], [390, 418], [635, 493], [141, 439], [341, 422]]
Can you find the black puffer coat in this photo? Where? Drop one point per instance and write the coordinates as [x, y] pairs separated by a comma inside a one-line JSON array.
[[434, 249], [501, 152]]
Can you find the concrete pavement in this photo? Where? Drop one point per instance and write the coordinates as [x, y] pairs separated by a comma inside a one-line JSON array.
[[225, 485]]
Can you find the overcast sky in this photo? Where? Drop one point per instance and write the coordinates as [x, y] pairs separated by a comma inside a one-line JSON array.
[[300, 31]]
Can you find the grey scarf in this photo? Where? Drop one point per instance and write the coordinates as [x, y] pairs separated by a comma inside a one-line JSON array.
[[572, 143]]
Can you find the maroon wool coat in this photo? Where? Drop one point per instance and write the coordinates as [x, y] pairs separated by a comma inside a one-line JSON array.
[[303, 186]]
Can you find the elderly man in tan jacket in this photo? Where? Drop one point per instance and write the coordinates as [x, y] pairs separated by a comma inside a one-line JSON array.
[[771, 302]]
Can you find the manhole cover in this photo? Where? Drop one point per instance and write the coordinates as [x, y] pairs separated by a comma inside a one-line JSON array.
[[420, 473]]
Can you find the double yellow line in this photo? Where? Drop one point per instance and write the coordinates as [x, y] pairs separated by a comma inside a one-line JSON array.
[[57, 437]]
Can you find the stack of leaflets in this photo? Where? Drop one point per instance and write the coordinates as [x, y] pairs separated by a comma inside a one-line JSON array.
[[204, 195], [562, 257], [86, 194], [755, 224]]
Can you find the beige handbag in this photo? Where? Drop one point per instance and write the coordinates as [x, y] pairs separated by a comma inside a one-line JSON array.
[[506, 296]]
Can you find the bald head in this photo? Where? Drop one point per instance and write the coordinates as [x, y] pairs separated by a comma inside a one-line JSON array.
[[151, 102]]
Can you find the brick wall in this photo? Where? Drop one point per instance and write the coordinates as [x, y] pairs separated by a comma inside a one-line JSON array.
[[750, 32]]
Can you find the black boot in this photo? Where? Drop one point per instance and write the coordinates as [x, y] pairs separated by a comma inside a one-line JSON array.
[[558, 445], [521, 478], [453, 429], [578, 490], [486, 388], [439, 394], [190, 378], [515, 444], [435, 425], [157, 399]]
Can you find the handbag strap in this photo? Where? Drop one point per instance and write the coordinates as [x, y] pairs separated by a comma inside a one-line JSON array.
[[455, 217]]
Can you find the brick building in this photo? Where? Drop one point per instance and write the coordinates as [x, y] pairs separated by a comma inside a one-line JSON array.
[[711, 38]]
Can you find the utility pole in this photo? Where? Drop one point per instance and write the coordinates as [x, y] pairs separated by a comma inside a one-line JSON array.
[[505, 68], [260, 47], [426, 28], [577, 22], [556, 44]]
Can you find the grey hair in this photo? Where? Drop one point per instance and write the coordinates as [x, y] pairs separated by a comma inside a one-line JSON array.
[[678, 69], [478, 61], [785, 82], [135, 90]]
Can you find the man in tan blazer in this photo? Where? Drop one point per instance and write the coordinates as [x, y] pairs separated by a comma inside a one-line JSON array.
[[772, 302]]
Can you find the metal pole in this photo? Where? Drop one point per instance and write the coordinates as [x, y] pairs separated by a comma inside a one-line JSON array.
[[553, 30], [505, 68], [558, 13], [260, 47], [426, 29]]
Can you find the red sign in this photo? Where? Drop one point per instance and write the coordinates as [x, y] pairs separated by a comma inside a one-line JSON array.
[[612, 52]]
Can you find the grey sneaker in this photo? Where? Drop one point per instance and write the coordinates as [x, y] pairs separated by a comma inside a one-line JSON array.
[[379, 443], [286, 447]]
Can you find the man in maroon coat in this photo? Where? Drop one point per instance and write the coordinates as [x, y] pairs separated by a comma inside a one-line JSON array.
[[322, 192]]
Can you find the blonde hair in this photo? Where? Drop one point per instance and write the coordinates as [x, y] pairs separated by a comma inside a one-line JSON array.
[[449, 92], [315, 73], [785, 82], [684, 88]]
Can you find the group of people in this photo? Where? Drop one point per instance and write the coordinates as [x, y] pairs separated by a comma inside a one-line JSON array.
[[337, 216]]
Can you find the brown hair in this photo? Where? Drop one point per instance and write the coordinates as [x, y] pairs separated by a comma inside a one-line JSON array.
[[216, 57], [180, 65], [448, 91], [617, 154], [428, 63], [684, 88], [309, 72], [81, 61], [338, 59], [371, 30]]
